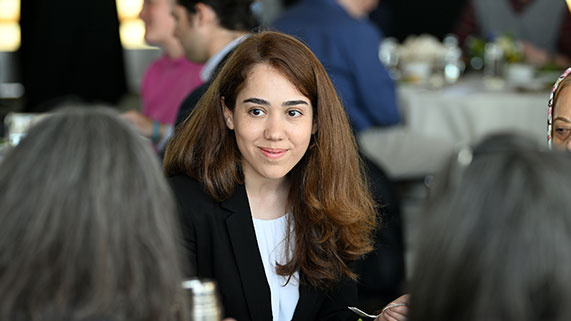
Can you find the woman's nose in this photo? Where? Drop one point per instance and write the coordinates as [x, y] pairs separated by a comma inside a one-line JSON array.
[[274, 128]]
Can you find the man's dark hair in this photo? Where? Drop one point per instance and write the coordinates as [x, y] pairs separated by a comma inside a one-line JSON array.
[[233, 14]]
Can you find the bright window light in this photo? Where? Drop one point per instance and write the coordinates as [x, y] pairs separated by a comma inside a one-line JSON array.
[[132, 34], [9, 25], [9, 10], [9, 36], [131, 28], [128, 9]]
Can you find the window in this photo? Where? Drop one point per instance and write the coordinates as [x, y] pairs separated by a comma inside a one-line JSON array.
[[131, 28], [9, 25]]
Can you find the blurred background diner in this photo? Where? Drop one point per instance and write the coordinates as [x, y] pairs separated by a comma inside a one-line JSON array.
[[429, 78], [559, 113], [167, 80]]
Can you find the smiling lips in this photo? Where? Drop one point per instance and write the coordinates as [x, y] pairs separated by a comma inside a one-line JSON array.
[[273, 153]]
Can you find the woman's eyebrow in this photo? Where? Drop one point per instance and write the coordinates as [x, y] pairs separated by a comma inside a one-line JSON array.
[[260, 101], [294, 103], [561, 118]]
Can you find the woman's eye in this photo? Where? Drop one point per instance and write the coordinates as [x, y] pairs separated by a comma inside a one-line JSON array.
[[256, 112], [294, 113], [562, 132]]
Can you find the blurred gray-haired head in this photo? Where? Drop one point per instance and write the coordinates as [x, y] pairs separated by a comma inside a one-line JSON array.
[[87, 223]]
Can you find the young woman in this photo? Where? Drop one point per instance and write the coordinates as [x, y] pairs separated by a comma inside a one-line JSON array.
[[87, 225], [559, 113], [269, 184]]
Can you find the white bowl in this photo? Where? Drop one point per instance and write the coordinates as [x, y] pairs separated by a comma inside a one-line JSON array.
[[517, 73], [416, 71]]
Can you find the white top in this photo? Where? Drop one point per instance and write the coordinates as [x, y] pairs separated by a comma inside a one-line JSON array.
[[270, 235]]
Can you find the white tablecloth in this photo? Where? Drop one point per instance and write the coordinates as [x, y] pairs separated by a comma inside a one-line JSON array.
[[437, 122]]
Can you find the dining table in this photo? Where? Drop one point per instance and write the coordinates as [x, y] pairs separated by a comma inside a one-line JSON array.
[[437, 121]]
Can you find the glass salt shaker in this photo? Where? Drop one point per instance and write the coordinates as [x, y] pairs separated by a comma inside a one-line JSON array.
[[205, 302]]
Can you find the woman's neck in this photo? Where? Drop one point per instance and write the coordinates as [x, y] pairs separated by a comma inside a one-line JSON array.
[[268, 198]]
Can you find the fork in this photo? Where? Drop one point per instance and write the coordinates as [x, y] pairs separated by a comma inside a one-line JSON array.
[[362, 313]]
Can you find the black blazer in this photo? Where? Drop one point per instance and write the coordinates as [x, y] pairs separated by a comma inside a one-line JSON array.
[[220, 243]]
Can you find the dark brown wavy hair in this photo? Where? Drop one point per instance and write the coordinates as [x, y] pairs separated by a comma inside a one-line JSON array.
[[333, 212]]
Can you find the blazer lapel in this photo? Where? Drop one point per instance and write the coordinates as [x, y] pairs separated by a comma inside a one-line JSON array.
[[308, 297], [247, 255]]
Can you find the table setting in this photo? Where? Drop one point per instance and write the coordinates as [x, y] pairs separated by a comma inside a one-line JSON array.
[[447, 103]]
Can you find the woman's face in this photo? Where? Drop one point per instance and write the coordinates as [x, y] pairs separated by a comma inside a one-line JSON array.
[[159, 23], [273, 124], [562, 120]]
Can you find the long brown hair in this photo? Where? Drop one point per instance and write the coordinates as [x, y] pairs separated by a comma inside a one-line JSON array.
[[87, 225], [333, 212]]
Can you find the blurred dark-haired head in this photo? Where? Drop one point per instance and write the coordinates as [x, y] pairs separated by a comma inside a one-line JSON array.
[[206, 27], [232, 14], [495, 242]]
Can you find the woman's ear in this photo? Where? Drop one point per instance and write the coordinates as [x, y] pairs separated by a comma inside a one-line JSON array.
[[314, 128], [228, 115]]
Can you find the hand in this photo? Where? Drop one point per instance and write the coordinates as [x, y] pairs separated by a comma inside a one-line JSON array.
[[398, 312], [141, 122]]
